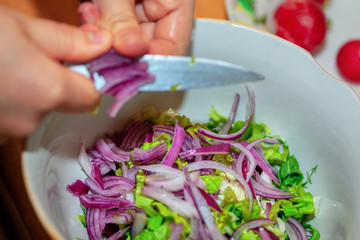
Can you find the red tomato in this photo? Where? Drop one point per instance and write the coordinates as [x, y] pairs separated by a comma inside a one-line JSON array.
[[301, 22], [321, 2], [348, 61]]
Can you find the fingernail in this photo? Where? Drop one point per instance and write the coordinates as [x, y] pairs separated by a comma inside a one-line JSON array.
[[98, 37]]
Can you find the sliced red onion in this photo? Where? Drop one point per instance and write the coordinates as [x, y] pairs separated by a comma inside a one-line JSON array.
[[181, 207], [97, 176], [162, 169], [119, 234], [260, 159], [173, 183], [213, 149], [123, 77], [244, 171], [94, 187], [272, 193], [204, 139], [197, 144], [208, 164], [105, 166], [176, 145], [266, 183], [110, 152], [131, 175], [114, 186], [176, 230], [149, 154], [119, 218], [148, 137], [271, 234], [108, 60], [203, 209], [254, 223], [210, 201], [265, 234], [125, 171], [268, 209], [77, 188], [94, 223], [126, 90], [118, 74], [249, 156], [226, 128], [97, 201], [169, 129], [84, 161], [134, 135], [110, 181], [139, 224], [193, 235], [295, 229], [238, 134]]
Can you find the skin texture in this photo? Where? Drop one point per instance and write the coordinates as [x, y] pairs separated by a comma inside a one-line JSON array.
[[33, 81], [145, 26]]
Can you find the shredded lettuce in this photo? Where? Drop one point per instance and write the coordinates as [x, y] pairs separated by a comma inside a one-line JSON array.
[[212, 182], [159, 215], [289, 173], [234, 212], [249, 235]]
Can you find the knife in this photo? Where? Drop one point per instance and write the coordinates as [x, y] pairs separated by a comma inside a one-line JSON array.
[[184, 73]]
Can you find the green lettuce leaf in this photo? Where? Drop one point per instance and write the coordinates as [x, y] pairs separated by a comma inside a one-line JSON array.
[[160, 233], [234, 212], [212, 182], [249, 235], [315, 235], [216, 117], [291, 180], [289, 173]]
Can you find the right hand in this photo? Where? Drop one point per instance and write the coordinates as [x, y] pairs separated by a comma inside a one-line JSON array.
[[32, 80]]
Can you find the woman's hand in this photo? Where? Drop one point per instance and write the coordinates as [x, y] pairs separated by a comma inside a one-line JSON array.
[[143, 26], [32, 80]]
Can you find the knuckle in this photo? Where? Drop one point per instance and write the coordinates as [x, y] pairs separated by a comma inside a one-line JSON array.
[[52, 95], [117, 21]]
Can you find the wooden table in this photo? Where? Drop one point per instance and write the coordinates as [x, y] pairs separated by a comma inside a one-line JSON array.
[[17, 217]]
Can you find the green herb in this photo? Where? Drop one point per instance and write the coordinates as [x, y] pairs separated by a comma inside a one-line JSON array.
[[313, 170], [175, 87]]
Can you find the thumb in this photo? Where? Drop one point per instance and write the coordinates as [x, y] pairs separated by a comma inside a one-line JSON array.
[[118, 17], [67, 43]]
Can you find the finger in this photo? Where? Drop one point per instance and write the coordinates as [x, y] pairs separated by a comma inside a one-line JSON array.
[[79, 93], [173, 28], [48, 85], [89, 13], [67, 43], [118, 16]]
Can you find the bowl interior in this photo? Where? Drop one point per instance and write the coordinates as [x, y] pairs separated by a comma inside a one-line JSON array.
[[316, 114]]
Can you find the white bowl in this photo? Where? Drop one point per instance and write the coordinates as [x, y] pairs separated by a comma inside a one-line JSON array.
[[317, 115]]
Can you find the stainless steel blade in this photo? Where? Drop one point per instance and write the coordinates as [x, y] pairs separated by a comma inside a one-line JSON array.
[[182, 73], [189, 73]]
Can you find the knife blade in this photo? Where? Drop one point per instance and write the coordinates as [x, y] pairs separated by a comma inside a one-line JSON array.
[[183, 73]]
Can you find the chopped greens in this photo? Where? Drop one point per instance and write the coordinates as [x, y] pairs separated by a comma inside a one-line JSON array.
[[216, 185]]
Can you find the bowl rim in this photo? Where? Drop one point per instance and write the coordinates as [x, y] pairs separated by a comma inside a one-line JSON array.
[[38, 209]]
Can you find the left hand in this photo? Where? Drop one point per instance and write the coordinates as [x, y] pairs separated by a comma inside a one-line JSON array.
[[143, 26]]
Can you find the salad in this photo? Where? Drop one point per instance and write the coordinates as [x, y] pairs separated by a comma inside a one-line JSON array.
[[165, 177]]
